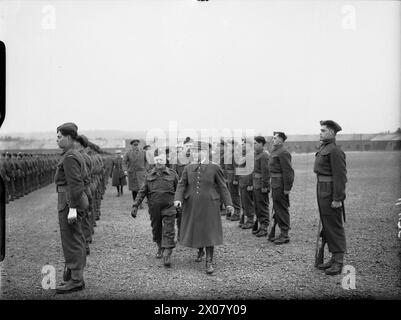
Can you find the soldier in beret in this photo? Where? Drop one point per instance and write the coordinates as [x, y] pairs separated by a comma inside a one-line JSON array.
[[330, 168], [282, 179], [72, 200], [261, 186], [198, 192]]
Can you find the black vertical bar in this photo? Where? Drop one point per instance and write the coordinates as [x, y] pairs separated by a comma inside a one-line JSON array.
[[2, 116]]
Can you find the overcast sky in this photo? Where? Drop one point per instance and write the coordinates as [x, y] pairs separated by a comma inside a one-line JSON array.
[[262, 65]]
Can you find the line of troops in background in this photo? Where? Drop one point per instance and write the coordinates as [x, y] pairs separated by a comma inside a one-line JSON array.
[[24, 172]]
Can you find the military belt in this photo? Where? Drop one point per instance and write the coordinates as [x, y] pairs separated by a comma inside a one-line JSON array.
[[324, 178], [276, 175], [61, 189]]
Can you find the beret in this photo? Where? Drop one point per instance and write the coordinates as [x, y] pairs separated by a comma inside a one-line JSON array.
[[68, 127], [134, 141], [331, 124], [280, 134], [260, 139]]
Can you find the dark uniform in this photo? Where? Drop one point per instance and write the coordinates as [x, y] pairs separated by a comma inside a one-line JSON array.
[[261, 179], [246, 192], [282, 179], [229, 167], [330, 168], [70, 179], [159, 187]]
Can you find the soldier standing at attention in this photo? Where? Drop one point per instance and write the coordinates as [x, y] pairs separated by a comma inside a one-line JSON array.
[[261, 186], [70, 181], [330, 168], [246, 186], [159, 187], [282, 179], [135, 162]]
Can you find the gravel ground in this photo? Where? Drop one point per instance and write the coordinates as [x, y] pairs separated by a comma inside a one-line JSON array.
[[122, 263]]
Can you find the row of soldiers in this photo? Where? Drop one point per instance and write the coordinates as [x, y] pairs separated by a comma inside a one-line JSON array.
[[24, 172]]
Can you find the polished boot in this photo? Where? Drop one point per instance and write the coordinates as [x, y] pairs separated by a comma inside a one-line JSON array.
[[167, 257], [262, 231], [200, 255], [209, 260], [159, 253], [326, 265], [282, 238], [76, 283], [335, 268], [248, 224]]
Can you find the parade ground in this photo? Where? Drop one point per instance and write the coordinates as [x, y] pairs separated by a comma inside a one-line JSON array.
[[122, 263]]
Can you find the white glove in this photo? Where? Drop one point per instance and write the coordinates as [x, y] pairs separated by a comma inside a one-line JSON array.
[[72, 215], [177, 204]]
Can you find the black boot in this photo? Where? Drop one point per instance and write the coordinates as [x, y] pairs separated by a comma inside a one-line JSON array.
[[283, 238], [159, 253], [335, 268], [200, 255], [76, 283], [209, 260], [167, 257], [255, 228]]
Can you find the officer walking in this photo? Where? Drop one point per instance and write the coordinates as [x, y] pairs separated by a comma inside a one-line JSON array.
[[135, 162], [282, 179], [117, 173], [330, 168], [198, 192], [159, 187], [70, 181]]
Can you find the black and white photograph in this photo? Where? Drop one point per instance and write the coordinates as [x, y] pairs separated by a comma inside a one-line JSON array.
[[201, 151]]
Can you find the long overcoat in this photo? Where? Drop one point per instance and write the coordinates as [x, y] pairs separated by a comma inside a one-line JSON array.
[[199, 190], [117, 175], [135, 162]]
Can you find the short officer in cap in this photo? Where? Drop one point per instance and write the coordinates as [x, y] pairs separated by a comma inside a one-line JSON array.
[[198, 192], [135, 162], [117, 175], [159, 187], [282, 179], [261, 186], [330, 168], [70, 179]]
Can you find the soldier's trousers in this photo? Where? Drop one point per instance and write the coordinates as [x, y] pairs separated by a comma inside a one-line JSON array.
[[72, 237], [281, 204], [162, 217], [235, 196], [332, 221], [248, 206], [86, 227], [261, 207]]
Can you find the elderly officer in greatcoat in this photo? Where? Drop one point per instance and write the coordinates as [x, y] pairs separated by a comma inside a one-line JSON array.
[[135, 163], [282, 179], [198, 192], [117, 174], [330, 168]]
